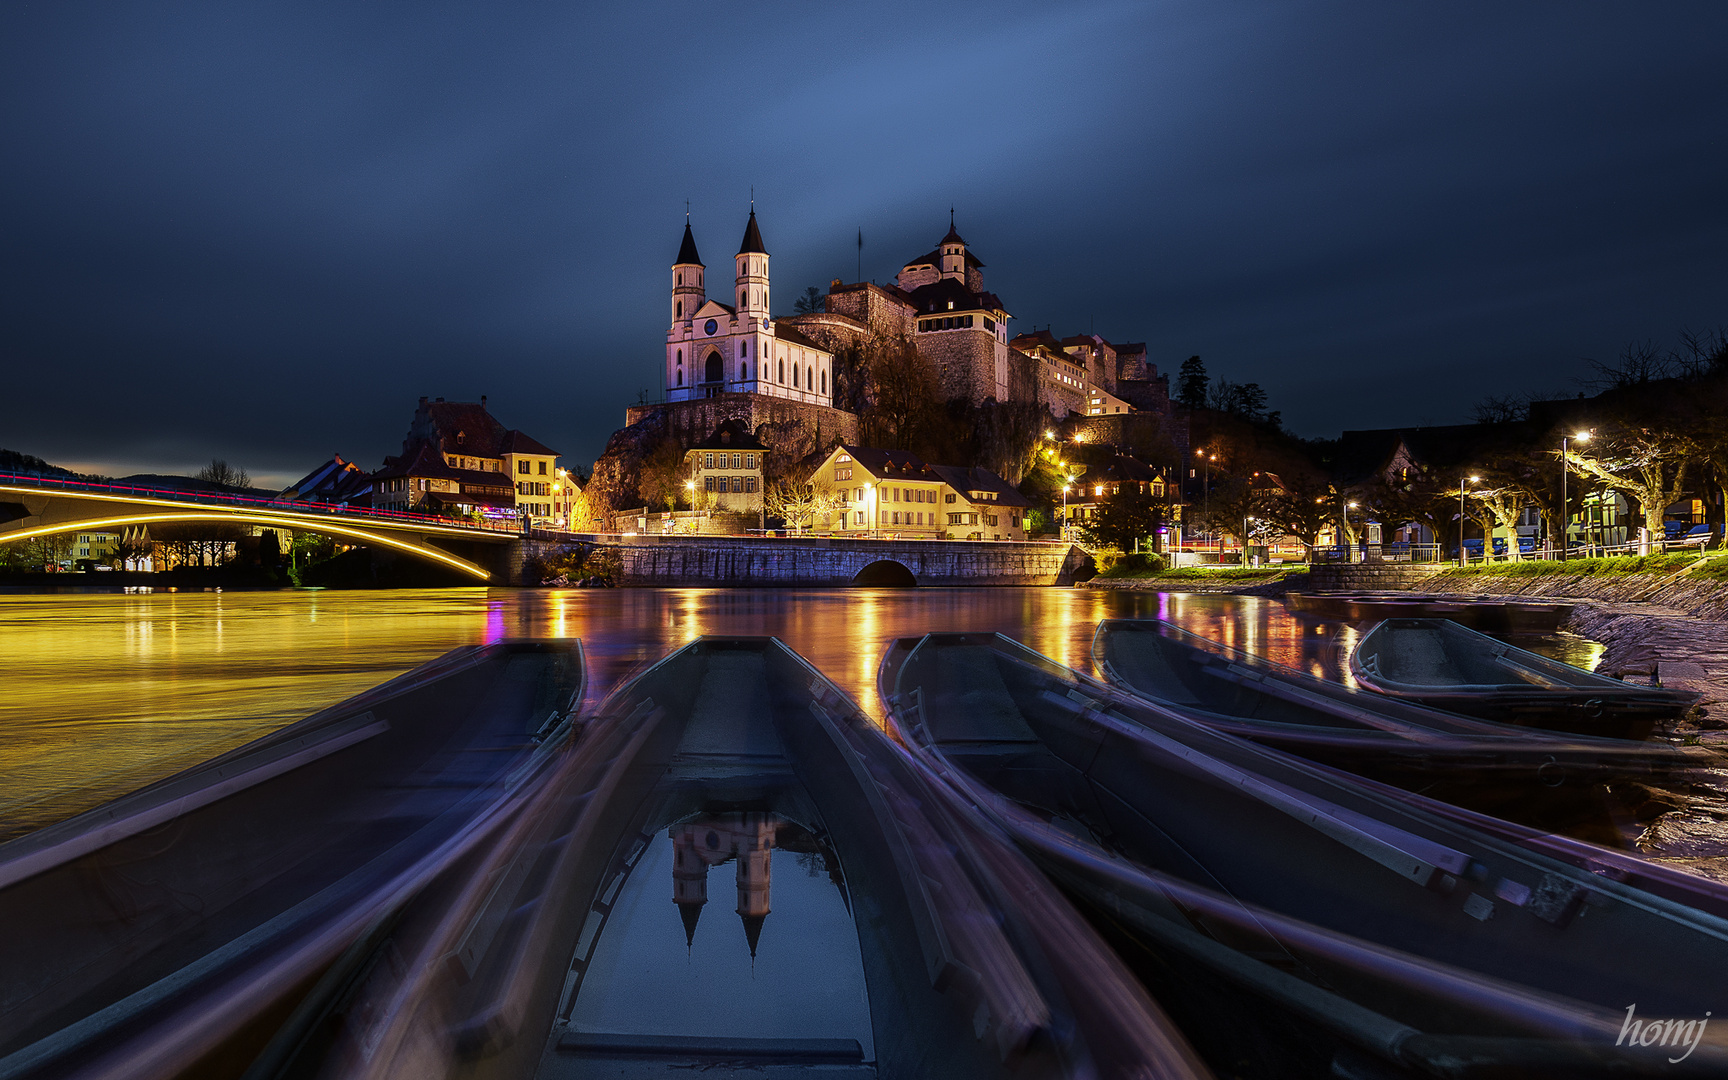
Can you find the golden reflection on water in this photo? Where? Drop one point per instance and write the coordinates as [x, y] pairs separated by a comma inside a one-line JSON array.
[[102, 693]]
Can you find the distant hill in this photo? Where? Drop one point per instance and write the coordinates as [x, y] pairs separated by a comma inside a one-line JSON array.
[[190, 483], [12, 461]]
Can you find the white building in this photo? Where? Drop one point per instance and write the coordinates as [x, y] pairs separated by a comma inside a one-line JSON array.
[[714, 348]]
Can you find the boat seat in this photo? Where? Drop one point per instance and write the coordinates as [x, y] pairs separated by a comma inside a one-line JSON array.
[[979, 709], [731, 718], [580, 1054], [1149, 670], [1419, 657]]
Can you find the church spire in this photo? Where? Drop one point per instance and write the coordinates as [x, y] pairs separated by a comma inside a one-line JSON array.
[[752, 244], [687, 250]]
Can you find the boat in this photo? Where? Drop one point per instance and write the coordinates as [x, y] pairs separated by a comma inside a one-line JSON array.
[[169, 931], [1439, 663], [1489, 615], [876, 931], [1539, 777], [1292, 919]]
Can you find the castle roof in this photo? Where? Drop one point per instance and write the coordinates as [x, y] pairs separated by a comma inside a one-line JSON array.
[[934, 258], [935, 297], [752, 244], [687, 250], [953, 236], [515, 442]]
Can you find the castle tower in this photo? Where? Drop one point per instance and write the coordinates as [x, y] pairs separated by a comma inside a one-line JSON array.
[[755, 845], [687, 288], [689, 880], [751, 290], [953, 250]]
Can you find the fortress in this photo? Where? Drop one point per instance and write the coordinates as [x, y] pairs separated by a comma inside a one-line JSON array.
[[734, 360]]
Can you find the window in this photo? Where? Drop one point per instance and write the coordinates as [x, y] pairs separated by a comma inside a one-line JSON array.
[[956, 519], [707, 483], [678, 309], [749, 483], [521, 467], [860, 519], [843, 458], [782, 377], [707, 461], [989, 324], [743, 348], [896, 517], [948, 498], [737, 461], [749, 461], [680, 376], [1014, 521], [824, 382], [542, 468], [743, 372], [738, 484], [680, 357], [842, 474]]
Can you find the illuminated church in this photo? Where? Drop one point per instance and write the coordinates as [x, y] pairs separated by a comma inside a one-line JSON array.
[[714, 348]]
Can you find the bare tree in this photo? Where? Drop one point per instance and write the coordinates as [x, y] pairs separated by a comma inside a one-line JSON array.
[[799, 502], [220, 472], [1651, 465]]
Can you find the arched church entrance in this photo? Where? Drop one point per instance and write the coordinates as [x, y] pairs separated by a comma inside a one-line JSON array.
[[713, 374]]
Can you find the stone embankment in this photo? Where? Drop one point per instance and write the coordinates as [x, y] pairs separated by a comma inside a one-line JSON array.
[[1668, 627]]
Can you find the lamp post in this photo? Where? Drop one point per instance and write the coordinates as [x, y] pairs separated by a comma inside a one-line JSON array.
[[870, 501], [1247, 527], [1565, 506], [1463, 556]]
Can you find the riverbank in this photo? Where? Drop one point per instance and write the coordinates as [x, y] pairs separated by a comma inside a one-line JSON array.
[[1238, 580]]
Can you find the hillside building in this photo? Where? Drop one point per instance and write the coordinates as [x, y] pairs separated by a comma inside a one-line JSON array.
[[457, 458], [715, 348]]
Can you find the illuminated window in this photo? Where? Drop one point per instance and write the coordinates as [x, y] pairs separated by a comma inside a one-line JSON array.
[[522, 467]]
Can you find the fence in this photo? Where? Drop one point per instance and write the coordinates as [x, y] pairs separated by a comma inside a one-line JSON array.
[[252, 502]]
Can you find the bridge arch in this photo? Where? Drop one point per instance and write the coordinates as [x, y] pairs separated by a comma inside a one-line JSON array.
[[329, 528], [886, 573]]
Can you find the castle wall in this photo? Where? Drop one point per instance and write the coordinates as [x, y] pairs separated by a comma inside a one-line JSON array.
[[872, 307], [792, 430], [965, 360]]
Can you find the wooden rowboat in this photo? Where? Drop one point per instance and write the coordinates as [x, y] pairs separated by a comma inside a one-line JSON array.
[[1439, 663], [1510, 617], [876, 932], [171, 930], [1293, 920], [1539, 777]]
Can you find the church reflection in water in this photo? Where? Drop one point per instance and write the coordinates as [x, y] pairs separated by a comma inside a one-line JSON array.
[[748, 839]]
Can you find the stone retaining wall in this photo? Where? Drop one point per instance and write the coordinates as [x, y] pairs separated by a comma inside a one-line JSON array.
[[758, 562], [1370, 576]]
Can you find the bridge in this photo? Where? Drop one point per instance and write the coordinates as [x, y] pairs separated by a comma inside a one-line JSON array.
[[496, 552], [36, 506]]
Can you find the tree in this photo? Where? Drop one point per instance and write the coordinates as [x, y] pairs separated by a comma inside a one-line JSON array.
[[1650, 465], [892, 387], [810, 303], [220, 472], [1302, 504], [1191, 384], [663, 475], [1502, 506], [1124, 517], [1246, 400], [799, 502]]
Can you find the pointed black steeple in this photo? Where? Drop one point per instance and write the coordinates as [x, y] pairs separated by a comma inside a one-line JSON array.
[[687, 250], [753, 931], [689, 913], [752, 244]]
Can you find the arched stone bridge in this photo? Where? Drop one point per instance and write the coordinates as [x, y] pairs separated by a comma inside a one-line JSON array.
[[775, 561]]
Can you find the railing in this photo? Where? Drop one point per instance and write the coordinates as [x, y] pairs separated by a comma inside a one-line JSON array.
[[243, 502]]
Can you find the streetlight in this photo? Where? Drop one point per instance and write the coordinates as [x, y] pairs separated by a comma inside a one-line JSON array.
[[1247, 524], [870, 501], [1565, 507], [1064, 531], [1464, 558]]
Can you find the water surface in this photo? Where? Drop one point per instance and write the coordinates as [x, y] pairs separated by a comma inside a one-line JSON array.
[[101, 693]]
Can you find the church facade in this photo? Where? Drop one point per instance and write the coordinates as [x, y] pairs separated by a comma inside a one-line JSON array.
[[713, 348]]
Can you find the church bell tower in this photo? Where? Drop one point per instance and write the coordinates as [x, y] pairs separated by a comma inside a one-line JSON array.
[[687, 289], [751, 291]]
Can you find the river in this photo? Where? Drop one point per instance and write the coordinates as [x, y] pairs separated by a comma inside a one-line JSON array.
[[103, 692]]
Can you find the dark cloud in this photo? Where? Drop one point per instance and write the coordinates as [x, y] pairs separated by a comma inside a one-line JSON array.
[[261, 234]]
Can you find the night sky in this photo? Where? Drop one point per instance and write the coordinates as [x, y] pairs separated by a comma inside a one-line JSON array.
[[262, 232]]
